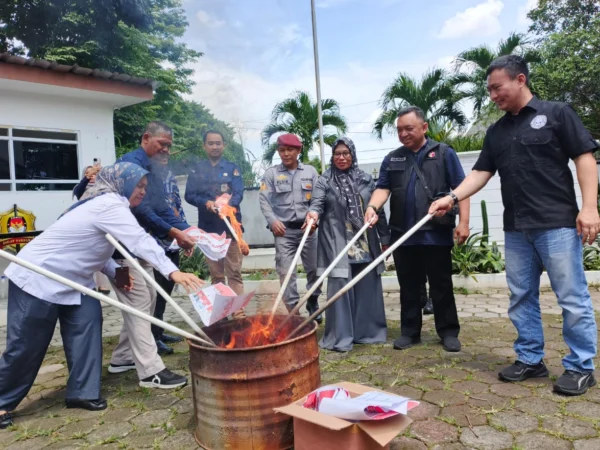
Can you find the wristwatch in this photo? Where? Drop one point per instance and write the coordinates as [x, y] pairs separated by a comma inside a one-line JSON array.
[[453, 197], [372, 206]]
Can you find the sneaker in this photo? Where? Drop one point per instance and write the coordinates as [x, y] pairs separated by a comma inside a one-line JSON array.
[[5, 420], [520, 371], [451, 344], [120, 368], [428, 308], [163, 349], [168, 339], [574, 383], [165, 379], [404, 342]]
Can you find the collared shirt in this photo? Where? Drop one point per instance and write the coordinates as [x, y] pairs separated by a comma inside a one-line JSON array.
[[205, 183], [154, 214], [75, 247], [531, 152], [454, 176], [285, 195]]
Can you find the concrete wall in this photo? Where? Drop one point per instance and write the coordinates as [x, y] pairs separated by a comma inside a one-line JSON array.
[[91, 120], [257, 234]]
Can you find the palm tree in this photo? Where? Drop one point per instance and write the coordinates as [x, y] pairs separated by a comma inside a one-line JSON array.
[[471, 66], [298, 115], [433, 94]]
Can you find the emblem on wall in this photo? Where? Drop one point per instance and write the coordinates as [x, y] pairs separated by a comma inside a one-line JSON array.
[[15, 221]]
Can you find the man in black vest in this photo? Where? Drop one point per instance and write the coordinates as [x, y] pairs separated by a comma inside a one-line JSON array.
[[414, 174]]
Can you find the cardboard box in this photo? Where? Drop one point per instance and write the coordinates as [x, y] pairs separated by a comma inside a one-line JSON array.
[[313, 430]]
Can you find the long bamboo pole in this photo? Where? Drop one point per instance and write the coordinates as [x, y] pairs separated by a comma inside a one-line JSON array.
[[361, 275], [292, 268], [158, 288], [101, 297], [321, 279]]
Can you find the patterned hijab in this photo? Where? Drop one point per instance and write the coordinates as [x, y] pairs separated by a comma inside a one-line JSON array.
[[345, 186], [120, 178]]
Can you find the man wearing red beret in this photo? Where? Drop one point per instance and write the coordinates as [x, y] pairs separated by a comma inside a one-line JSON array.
[[285, 194]]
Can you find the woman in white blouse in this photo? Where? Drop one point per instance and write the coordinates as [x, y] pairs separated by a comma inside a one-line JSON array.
[[74, 247]]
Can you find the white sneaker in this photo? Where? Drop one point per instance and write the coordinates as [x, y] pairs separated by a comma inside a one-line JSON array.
[[120, 368]]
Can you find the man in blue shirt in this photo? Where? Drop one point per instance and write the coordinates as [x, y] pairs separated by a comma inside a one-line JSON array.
[[414, 175], [137, 347], [209, 179]]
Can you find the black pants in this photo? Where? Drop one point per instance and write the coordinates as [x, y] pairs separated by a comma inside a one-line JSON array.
[[31, 324], [413, 263], [161, 303]]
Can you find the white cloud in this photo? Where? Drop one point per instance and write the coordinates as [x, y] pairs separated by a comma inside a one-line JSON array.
[[480, 20], [206, 20], [524, 10]]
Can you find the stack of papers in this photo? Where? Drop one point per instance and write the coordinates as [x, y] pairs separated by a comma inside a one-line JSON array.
[[218, 301], [372, 405], [213, 246]]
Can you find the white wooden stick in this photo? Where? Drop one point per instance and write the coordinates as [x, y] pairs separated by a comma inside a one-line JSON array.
[[321, 279], [292, 268], [158, 288], [229, 226], [363, 273], [101, 297]]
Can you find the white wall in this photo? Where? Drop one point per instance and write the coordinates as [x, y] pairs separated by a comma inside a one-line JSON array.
[[92, 120]]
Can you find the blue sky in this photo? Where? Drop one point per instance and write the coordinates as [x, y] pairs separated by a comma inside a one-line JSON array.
[[258, 52]]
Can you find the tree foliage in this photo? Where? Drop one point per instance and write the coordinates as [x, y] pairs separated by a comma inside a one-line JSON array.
[[433, 94], [471, 66], [569, 48], [299, 115], [137, 37]]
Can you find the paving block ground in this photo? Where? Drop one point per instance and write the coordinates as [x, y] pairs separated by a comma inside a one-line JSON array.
[[463, 404]]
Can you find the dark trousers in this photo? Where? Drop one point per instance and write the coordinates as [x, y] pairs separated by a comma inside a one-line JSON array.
[[413, 263], [168, 285], [31, 324]]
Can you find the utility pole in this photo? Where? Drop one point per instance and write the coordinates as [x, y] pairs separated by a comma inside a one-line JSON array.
[[318, 80]]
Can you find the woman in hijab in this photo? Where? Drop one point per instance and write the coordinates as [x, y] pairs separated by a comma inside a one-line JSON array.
[[74, 247], [339, 200]]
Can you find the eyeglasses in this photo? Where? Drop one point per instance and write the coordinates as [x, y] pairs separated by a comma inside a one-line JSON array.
[[341, 155]]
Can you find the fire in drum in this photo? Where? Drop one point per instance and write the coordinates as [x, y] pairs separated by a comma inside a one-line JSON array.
[[237, 384]]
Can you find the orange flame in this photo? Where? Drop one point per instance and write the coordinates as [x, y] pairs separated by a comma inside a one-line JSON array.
[[229, 212], [255, 332]]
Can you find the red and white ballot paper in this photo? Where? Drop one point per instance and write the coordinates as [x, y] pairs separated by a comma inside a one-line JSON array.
[[373, 405], [214, 246], [218, 301]]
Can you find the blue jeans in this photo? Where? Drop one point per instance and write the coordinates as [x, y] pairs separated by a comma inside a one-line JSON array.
[[560, 252]]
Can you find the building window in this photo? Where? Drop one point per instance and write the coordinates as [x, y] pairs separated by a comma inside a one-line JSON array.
[[33, 160]]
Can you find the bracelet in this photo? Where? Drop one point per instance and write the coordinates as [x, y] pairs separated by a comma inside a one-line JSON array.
[[453, 197], [372, 206]]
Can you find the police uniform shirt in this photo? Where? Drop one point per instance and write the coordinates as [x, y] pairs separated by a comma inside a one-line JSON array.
[[205, 183], [531, 152], [285, 195]]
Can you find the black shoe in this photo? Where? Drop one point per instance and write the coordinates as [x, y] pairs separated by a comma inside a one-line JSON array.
[[165, 379], [574, 383], [5, 420], [168, 339], [520, 371], [312, 305], [90, 405], [428, 308], [404, 342], [451, 344], [163, 349], [120, 368]]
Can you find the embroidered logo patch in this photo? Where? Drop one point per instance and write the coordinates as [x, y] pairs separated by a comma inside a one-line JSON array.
[[308, 196], [263, 186], [432, 155], [224, 188], [236, 173], [282, 177], [538, 122], [403, 158]]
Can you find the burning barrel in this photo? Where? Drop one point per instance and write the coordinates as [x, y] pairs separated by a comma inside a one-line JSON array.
[[237, 385]]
